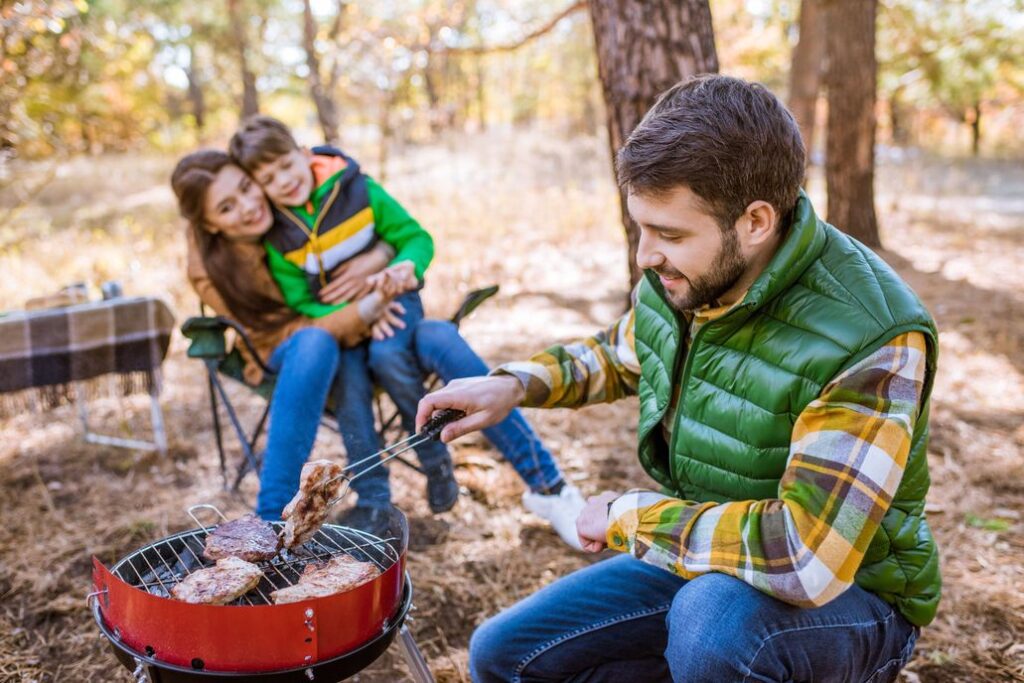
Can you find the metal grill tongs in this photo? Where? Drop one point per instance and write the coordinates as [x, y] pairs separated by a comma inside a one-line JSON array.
[[431, 430]]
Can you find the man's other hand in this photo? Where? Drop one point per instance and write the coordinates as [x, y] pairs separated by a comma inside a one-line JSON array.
[[592, 524], [485, 400]]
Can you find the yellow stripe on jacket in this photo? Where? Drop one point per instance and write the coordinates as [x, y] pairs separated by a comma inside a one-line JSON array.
[[332, 238]]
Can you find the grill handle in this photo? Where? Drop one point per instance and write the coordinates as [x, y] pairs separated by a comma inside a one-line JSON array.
[[192, 509], [440, 419], [95, 595]]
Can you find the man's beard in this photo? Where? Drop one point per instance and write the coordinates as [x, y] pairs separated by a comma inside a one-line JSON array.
[[725, 271]]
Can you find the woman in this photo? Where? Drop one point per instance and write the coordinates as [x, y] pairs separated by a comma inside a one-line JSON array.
[[228, 215]]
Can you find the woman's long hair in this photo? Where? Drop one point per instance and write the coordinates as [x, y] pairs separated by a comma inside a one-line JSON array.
[[191, 180]]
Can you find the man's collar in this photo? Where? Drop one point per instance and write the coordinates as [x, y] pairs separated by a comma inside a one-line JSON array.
[[707, 313]]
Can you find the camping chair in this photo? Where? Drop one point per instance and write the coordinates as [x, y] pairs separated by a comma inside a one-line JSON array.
[[209, 344]]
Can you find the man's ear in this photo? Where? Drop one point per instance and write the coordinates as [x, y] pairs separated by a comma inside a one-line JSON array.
[[758, 222]]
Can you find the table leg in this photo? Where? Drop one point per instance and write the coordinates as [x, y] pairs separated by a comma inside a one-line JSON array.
[[159, 442]]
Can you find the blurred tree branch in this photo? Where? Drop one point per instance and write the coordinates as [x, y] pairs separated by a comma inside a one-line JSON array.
[[250, 98], [321, 92], [511, 47]]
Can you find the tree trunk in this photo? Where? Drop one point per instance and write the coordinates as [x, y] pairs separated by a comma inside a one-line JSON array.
[[430, 85], [481, 94], [643, 48], [250, 100], [898, 118], [805, 71], [851, 82], [386, 131], [195, 92], [976, 129], [326, 111]]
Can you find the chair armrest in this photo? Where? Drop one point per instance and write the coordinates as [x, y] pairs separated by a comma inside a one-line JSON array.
[[472, 300], [207, 335]]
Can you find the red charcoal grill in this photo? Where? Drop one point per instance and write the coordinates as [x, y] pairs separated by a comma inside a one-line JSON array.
[[323, 639], [163, 640]]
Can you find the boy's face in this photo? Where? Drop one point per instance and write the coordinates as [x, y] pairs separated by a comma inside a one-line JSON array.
[[288, 179]]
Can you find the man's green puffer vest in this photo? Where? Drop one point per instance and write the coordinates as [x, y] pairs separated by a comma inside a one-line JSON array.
[[823, 303]]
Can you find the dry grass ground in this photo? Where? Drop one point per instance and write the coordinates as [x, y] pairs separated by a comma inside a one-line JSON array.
[[539, 218]]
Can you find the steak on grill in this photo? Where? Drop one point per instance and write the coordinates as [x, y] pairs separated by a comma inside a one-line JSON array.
[[308, 509], [229, 579], [340, 574], [247, 538]]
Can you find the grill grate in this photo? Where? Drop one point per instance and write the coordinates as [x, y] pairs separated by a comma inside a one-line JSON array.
[[158, 567]]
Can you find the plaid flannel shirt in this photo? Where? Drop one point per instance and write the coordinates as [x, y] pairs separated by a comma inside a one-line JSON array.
[[847, 455]]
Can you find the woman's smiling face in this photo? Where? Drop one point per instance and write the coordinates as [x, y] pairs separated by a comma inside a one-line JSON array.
[[236, 207]]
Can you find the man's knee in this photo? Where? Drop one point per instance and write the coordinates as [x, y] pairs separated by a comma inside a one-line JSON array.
[[489, 660], [705, 623]]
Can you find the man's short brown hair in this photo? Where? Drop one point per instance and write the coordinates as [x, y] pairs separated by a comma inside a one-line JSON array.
[[260, 140], [729, 141]]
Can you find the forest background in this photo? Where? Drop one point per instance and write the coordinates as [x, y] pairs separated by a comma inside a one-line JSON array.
[[493, 121]]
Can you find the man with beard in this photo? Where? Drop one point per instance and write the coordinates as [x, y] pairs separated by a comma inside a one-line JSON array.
[[783, 372]]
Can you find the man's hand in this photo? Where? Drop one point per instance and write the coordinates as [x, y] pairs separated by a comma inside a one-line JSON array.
[[485, 400], [349, 281], [592, 524]]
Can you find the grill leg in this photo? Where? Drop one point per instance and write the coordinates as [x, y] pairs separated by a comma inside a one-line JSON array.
[[414, 658]]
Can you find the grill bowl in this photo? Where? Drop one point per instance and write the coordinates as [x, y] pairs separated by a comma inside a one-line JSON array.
[[245, 637], [335, 669]]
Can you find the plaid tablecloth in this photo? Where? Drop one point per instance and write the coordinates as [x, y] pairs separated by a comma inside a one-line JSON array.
[[43, 352]]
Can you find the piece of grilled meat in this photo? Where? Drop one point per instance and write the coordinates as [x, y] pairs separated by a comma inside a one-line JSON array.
[[248, 538], [340, 574], [220, 584], [308, 509]]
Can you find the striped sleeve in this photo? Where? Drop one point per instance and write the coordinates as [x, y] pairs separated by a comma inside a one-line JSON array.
[[847, 457], [599, 369]]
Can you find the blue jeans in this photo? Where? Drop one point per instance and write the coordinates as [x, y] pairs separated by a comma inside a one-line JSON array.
[[442, 350], [394, 367], [623, 620], [305, 364]]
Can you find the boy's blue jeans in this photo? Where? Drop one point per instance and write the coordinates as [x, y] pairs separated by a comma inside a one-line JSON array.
[[624, 620], [394, 367], [306, 364], [438, 348], [442, 350]]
